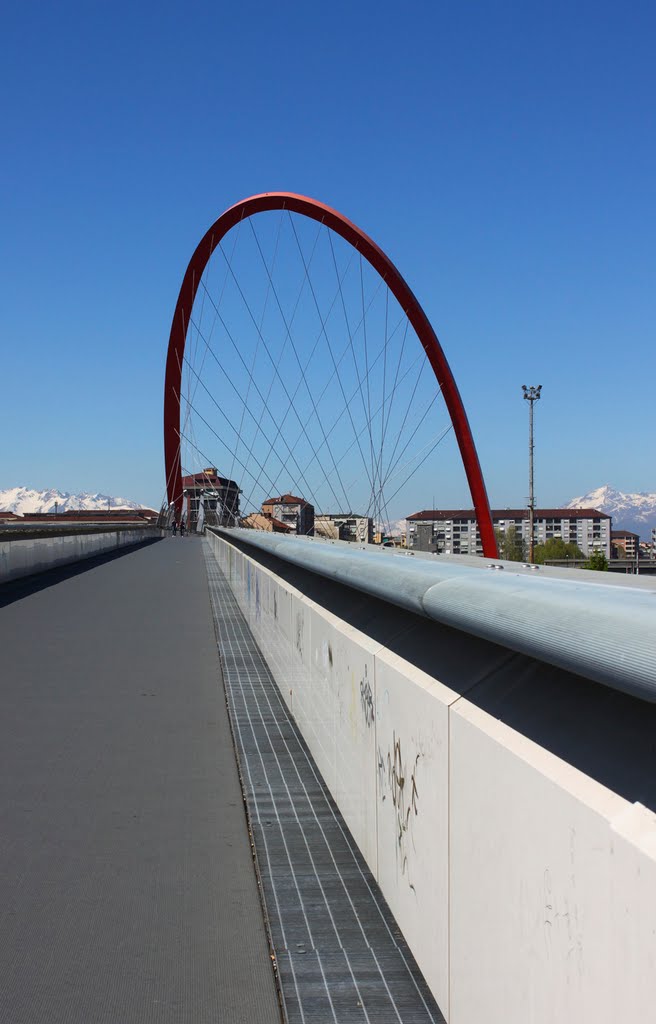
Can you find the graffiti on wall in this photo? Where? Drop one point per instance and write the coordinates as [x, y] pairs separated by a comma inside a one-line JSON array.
[[299, 633], [367, 700], [397, 782]]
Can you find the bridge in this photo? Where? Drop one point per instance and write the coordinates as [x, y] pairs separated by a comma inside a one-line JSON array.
[[291, 794], [255, 776]]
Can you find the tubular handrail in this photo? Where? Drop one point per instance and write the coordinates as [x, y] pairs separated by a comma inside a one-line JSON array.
[[592, 627]]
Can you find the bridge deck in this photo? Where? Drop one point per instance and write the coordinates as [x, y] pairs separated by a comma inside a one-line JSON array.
[[340, 955], [127, 890]]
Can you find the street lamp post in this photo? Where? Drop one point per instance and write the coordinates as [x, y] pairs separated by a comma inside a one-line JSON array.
[[531, 394]]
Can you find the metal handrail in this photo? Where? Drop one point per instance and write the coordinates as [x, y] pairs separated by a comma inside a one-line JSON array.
[[597, 627]]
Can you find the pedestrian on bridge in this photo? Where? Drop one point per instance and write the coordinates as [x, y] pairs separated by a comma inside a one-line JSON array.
[[174, 527], [182, 528]]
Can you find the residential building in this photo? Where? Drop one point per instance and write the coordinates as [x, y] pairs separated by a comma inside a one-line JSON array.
[[455, 531], [260, 521], [345, 526], [624, 544], [219, 496], [295, 512]]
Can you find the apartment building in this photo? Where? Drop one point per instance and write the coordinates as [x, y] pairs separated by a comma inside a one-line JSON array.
[[624, 544], [258, 521], [345, 526], [455, 531], [294, 511]]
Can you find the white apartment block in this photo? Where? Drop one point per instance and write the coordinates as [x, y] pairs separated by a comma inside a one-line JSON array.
[[455, 532]]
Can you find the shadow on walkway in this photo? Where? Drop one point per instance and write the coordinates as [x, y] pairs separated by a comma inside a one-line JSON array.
[[16, 590]]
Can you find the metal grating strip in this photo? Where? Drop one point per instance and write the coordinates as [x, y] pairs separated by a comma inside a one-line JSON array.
[[341, 957]]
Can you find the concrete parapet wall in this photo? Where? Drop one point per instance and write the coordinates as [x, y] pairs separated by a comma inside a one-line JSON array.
[[27, 555], [525, 888]]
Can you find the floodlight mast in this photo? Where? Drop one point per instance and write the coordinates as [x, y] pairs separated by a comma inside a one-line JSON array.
[[532, 395]]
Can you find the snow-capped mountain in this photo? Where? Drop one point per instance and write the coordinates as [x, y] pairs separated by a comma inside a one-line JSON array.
[[635, 512], [392, 527], [22, 499]]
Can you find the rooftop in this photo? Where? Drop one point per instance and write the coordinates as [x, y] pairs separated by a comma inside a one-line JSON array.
[[255, 518], [84, 515], [206, 478], [508, 513], [342, 515], [286, 499]]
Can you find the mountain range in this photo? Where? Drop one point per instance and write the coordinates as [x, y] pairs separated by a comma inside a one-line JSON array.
[[635, 512], [23, 499]]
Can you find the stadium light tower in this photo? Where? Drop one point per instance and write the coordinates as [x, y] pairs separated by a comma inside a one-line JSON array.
[[532, 395]]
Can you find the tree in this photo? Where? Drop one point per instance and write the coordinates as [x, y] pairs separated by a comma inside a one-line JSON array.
[[510, 545], [556, 550], [597, 560]]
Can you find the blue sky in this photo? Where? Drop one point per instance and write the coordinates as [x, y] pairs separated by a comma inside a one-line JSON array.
[[504, 156]]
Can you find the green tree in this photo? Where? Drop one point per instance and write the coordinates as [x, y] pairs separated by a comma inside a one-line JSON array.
[[597, 560], [556, 549], [510, 545]]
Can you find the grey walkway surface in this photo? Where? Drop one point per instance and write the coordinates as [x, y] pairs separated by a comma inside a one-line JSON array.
[[340, 955], [127, 890]]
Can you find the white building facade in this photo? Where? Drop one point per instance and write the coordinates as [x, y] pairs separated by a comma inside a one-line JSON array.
[[455, 531]]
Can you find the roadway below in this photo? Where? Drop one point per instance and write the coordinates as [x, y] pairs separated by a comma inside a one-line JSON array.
[[127, 887]]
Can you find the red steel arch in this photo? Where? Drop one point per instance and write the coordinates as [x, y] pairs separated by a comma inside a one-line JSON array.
[[315, 210]]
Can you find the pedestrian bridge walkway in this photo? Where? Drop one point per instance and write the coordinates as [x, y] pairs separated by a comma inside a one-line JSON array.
[[245, 778], [133, 886]]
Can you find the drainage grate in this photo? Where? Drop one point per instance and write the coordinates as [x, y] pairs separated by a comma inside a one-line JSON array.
[[341, 957]]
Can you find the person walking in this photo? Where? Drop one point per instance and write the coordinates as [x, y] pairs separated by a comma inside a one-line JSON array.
[[174, 528], [182, 528]]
